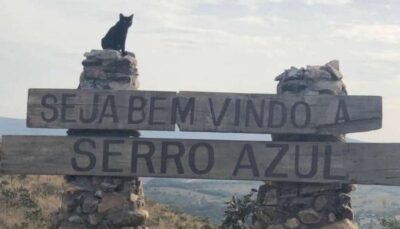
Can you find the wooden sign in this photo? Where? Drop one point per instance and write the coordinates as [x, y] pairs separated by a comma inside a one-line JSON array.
[[202, 111], [361, 163], [100, 109], [260, 113]]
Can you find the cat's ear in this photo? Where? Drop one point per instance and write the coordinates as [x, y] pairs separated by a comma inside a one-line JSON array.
[[121, 16], [131, 16]]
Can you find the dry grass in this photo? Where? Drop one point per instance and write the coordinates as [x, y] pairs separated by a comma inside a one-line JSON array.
[[27, 201], [162, 217]]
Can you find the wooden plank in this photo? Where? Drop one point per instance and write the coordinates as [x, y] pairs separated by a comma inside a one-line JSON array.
[[261, 113], [100, 109], [203, 111], [361, 163]]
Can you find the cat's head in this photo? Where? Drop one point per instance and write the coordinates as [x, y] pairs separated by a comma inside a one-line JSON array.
[[127, 21]]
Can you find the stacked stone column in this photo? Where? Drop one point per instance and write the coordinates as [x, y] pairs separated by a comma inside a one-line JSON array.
[[289, 205], [104, 202]]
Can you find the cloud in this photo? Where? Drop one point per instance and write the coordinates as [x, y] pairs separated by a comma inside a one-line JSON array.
[[327, 2], [385, 33]]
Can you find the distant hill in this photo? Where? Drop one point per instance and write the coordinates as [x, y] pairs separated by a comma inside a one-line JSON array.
[[13, 126]]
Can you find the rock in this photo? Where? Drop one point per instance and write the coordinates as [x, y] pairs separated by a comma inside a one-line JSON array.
[[69, 225], [347, 188], [98, 194], [90, 204], [292, 223], [271, 197], [56, 218], [309, 216], [93, 219], [106, 54], [134, 197], [107, 69], [112, 201], [292, 73], [276, 226], [288, 190], [334, 87], [108, 186], [344, 224], [331, 217], [270, 212], [333, 68], [75, 219], [318, 188], [344, 199], [300, 202], [262, 190], [91, 62], [259, 225], [346, 213], [128, 218], [334, 64], [320, 202], [312, 80], [70, 203]]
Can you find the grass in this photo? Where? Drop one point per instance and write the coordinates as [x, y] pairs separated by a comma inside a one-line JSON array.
[[27, 201]]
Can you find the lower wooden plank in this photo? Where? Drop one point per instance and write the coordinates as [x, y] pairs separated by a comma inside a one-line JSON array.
[[362, 163]]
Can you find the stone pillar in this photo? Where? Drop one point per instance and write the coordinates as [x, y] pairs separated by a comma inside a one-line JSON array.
[[289, 205], [104, 202]]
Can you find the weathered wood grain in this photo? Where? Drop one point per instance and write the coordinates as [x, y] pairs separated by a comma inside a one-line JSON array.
[[202, 111], [100, 109], [362, 163], [262, 113]]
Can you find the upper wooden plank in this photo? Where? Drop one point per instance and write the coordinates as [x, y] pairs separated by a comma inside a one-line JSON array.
[[202, 111], [262, 113], [100, 109], [321, 162]]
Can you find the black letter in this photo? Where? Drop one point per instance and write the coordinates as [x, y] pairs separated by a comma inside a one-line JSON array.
[[153, 107], [247, 150], [342, 115], [259, 118], [64, 107], [327, 165], [314, 163], [110, 101], [146, 156], [107, 154], [307, 114], [192, 158], [44, 103], [269, 172], [132, 108], [237, 112], [176, 157], [183, 113], [217, 121], [271, 113], [93, 116], [90, 155]]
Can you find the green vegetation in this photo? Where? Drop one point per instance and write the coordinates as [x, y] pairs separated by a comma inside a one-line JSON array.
[[390, 223]]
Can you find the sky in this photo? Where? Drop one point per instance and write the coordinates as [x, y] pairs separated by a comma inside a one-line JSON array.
[[206, 45]]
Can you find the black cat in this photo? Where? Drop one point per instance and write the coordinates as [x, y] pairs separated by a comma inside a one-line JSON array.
[[116, 36]]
